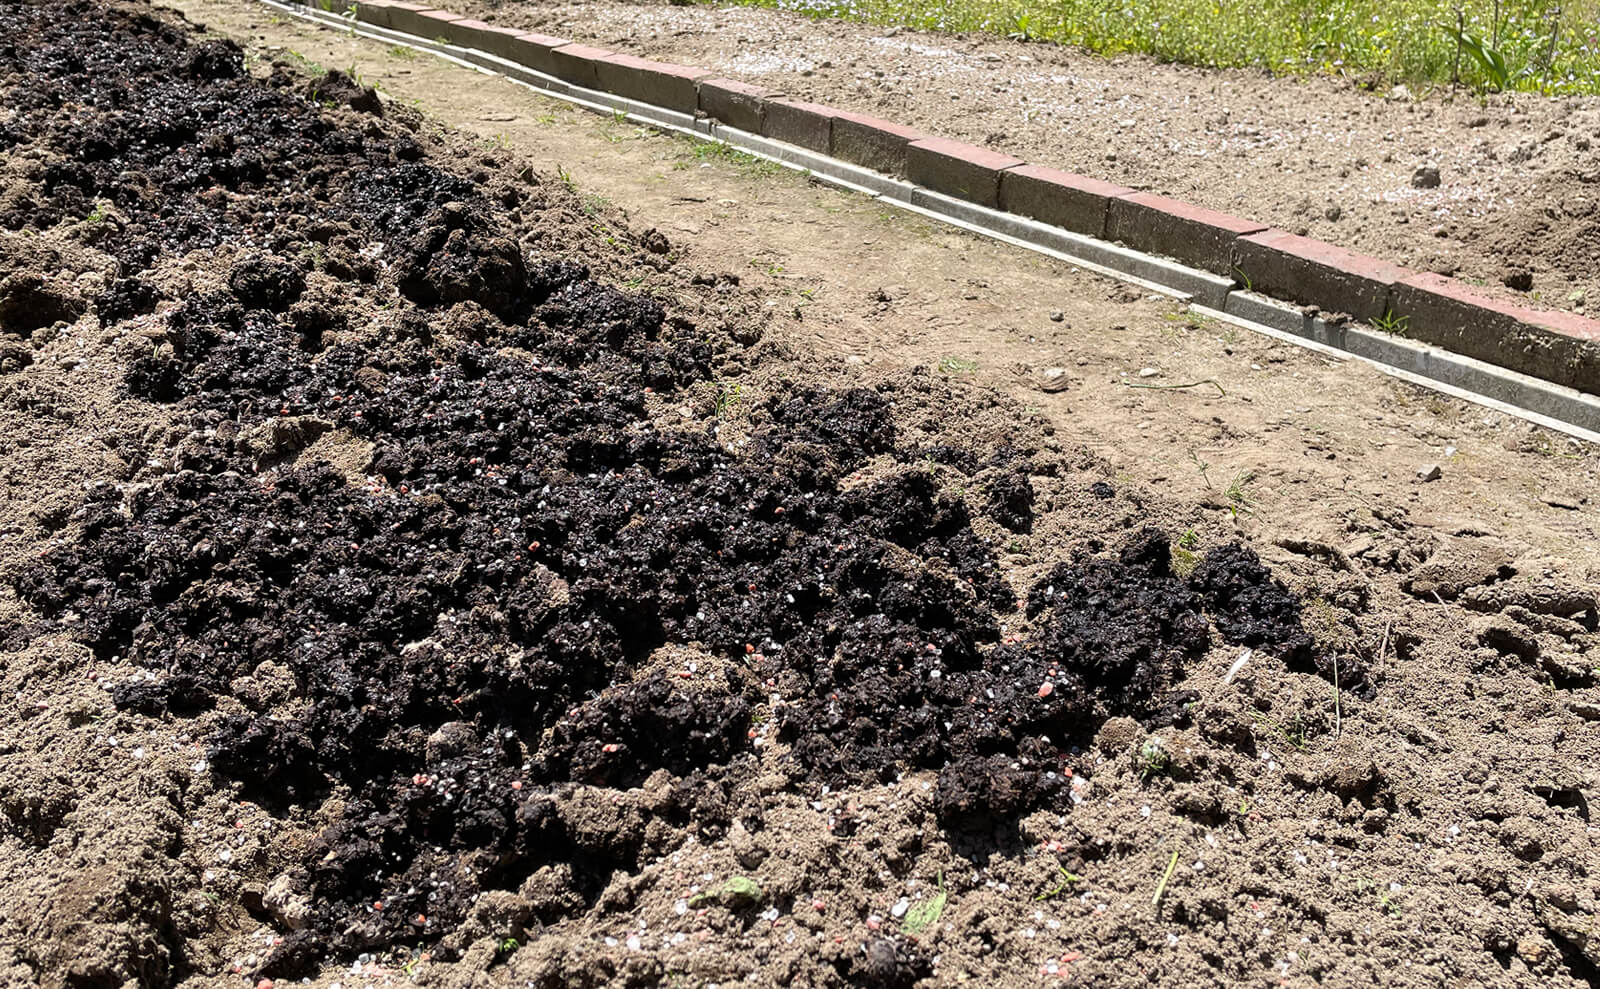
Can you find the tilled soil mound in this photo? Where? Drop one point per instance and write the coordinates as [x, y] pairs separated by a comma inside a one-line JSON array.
[[466, 584]]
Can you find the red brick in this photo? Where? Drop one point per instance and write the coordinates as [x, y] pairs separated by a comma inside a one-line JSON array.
[[1071, 202], [658, 83], [737, 104], [1192, 234], [1310, 272], [964, 171], [578, 64], [1556, 346], [807, 125], [536, 51], [871, 142]]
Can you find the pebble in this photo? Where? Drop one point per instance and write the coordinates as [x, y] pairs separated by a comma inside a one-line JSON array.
[[1057, 315], [1517, 279], [1426, 177], [1429, 472], [1148, 372], [1053, 379], [900, 907]]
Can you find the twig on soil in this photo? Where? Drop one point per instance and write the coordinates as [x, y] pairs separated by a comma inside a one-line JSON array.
[[1172, 866], [1238, 665], [1221, 392], [1338, 713], [1312, 547], [1383, 647]]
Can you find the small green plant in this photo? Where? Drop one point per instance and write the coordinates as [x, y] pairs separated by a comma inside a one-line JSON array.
[[1067, 879], [1201, 466], [1154, 757], [957, 365], [1390, 323], [1292, 734], [1244, 279], [1238, 493], [507, 946], [1491, 62], [619, 116], [728, 398], [1190, 540], [737, 891], [924, 915], [1387, 902], [313, 68], [99, 214], [707, 151], [405, 52]]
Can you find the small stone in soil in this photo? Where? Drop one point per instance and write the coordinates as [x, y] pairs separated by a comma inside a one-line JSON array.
[[1426, 177], [1057, 315], [1053, 379], [1515, 278], [1429, 472]]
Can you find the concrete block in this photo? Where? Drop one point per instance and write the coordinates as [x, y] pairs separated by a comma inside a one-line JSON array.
[[1192, 234], [536, 51], [737, 104], [1563, 348], [429, 24], [578, 64], [1310, 272], [472, 33], [807, 125], [379, 13], [657, 83], [964, 171], [1071, 202], [870, 142]]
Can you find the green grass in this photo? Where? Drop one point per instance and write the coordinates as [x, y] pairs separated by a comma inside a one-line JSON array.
[[1542, 45]]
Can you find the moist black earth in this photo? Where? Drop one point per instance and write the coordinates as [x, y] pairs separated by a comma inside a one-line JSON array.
[[485, 609]]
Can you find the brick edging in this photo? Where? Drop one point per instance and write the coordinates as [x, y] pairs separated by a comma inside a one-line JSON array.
[[1556, 346]]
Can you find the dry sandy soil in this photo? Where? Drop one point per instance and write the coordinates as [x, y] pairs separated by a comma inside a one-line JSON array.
[[1520, 175], [1423, 821]]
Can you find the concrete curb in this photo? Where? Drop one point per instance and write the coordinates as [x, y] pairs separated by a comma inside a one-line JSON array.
[[1544, 364]]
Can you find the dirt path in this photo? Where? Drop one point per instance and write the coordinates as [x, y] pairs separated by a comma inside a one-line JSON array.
[[1426, 823], [1519, 194]]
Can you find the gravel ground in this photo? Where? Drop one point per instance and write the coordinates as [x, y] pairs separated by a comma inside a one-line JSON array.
[[1516, 204]]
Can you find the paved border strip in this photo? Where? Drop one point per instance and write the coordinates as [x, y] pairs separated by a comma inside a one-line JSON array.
[[1076, 219]]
